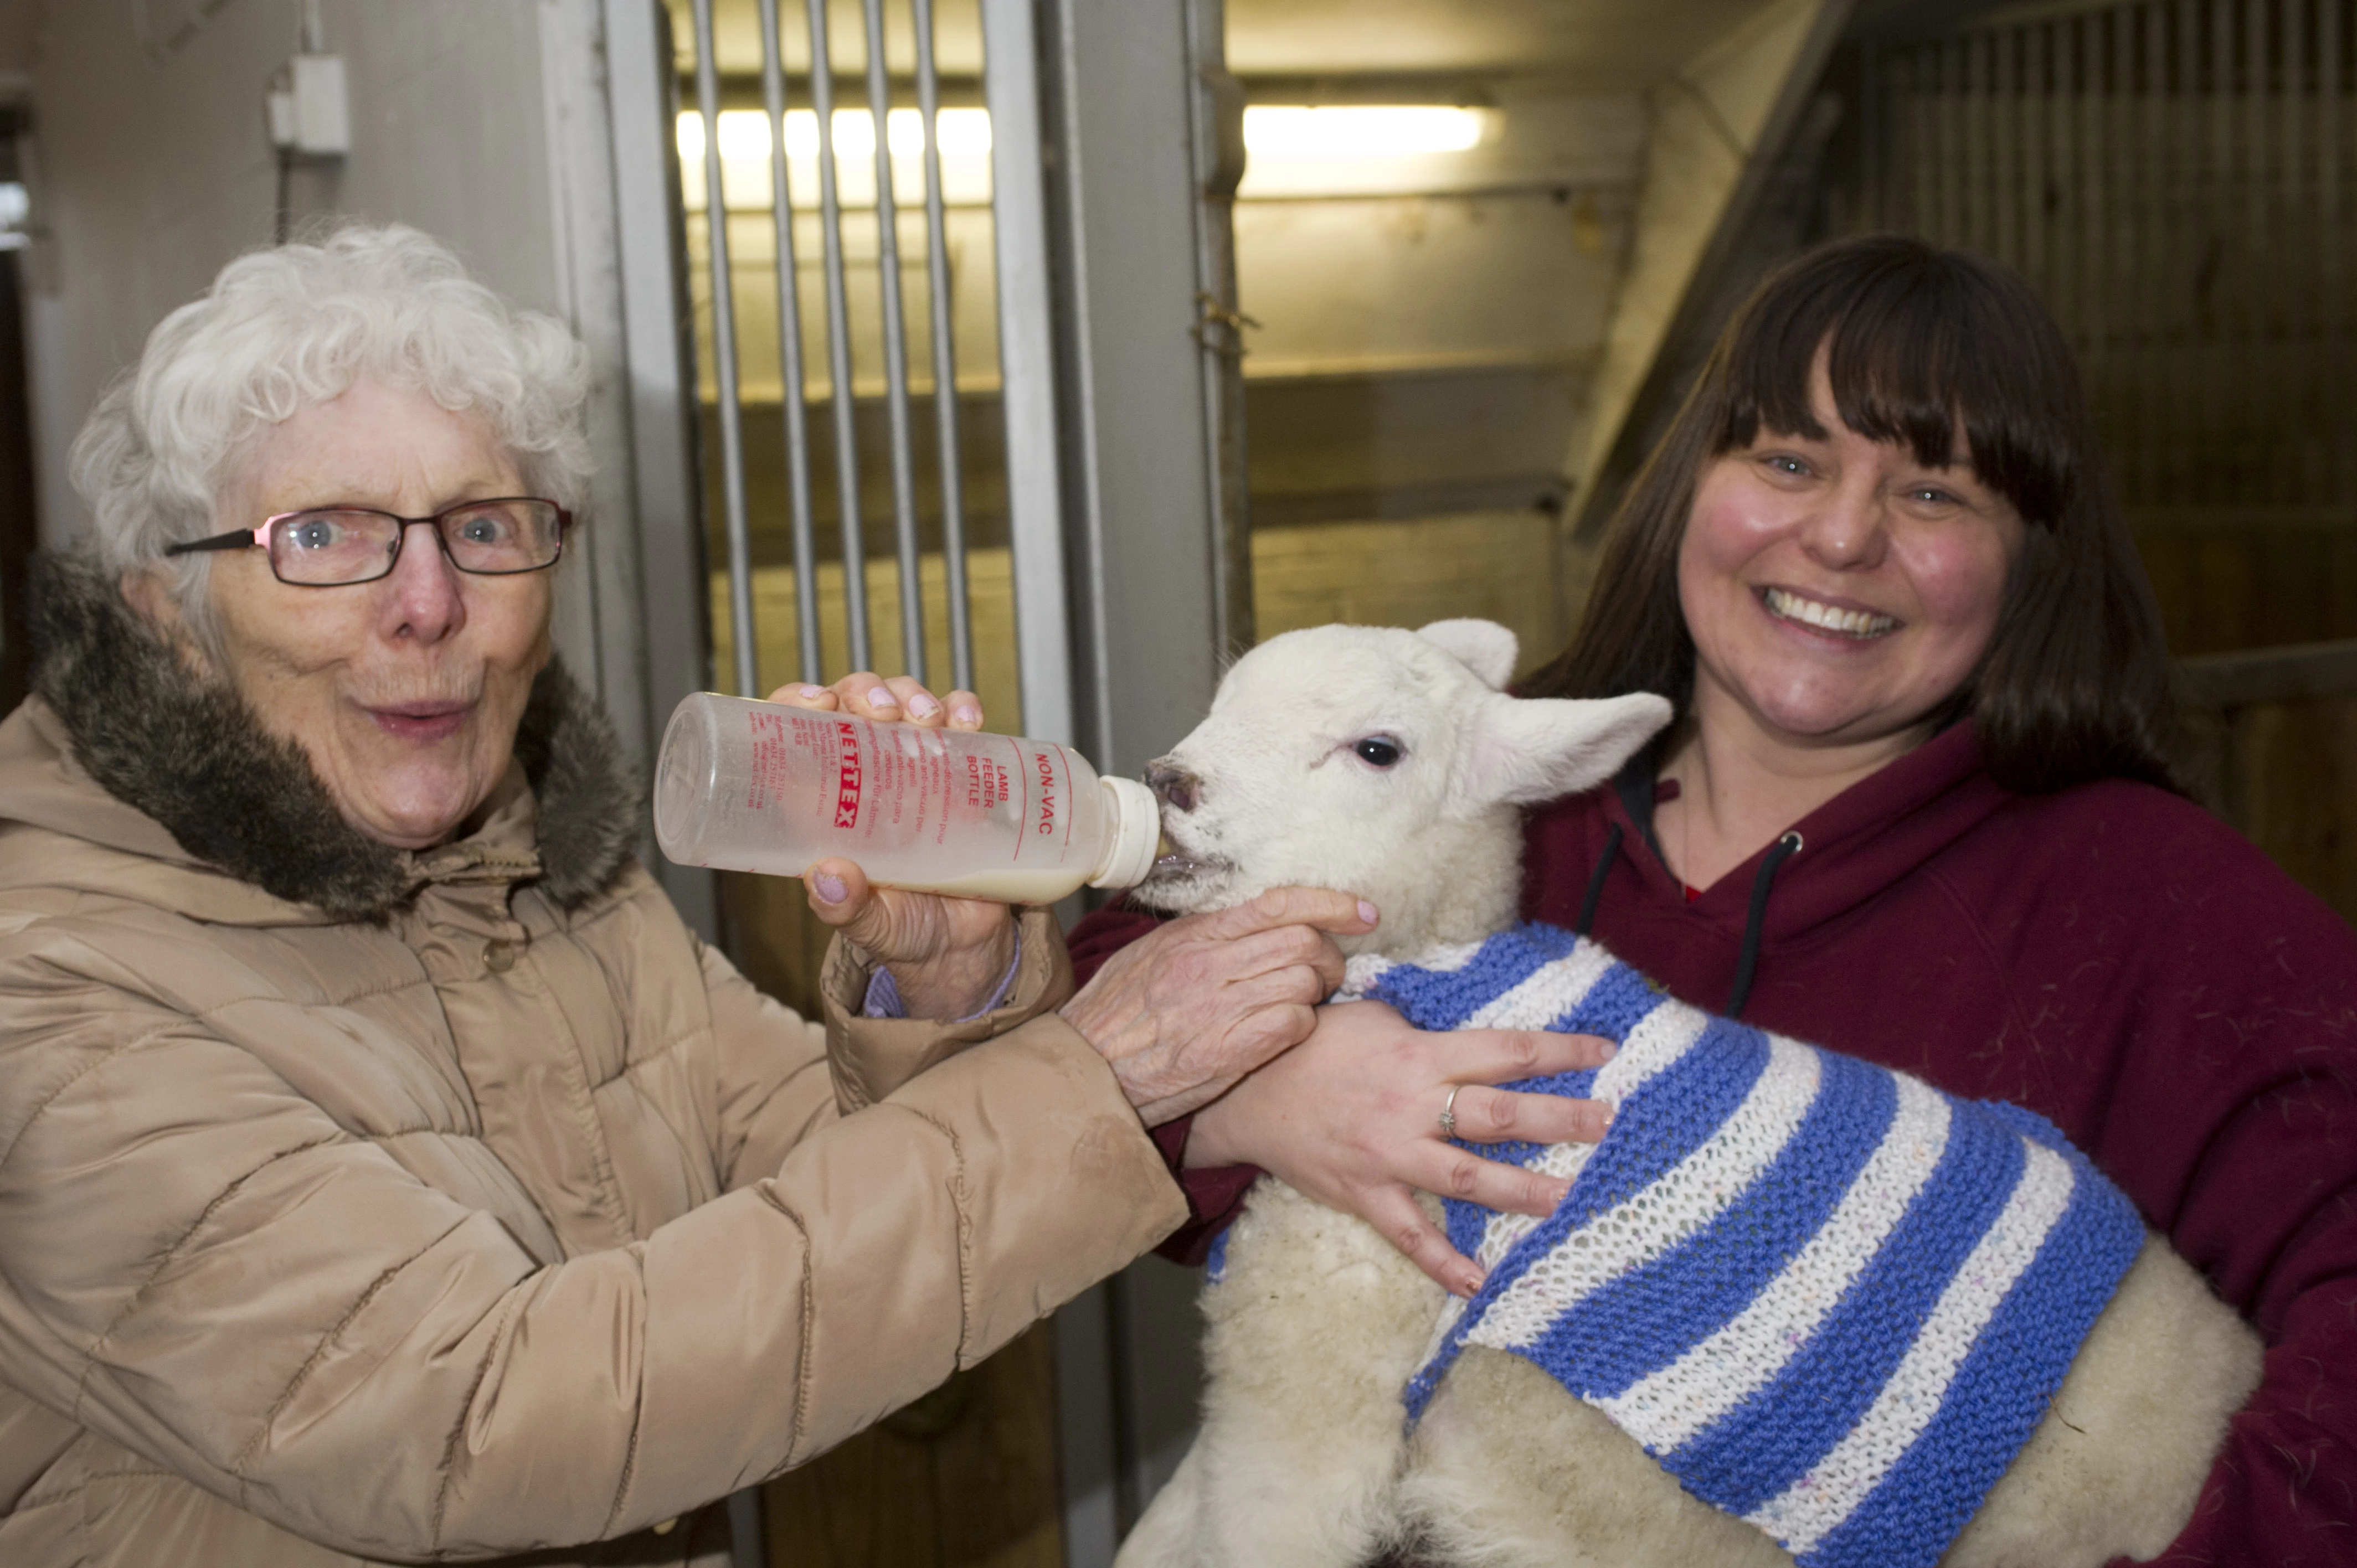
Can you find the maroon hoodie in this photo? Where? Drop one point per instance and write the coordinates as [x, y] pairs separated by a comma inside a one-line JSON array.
[[2111, 957]]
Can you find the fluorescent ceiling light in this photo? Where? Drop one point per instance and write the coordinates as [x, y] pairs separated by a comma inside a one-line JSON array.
[[745, 133], [1356, 132]]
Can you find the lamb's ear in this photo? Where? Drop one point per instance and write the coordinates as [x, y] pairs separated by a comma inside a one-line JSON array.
[[1481, 646], [1521, 751]]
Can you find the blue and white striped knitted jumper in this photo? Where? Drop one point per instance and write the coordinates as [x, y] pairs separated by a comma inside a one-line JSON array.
[[1830, 1299]]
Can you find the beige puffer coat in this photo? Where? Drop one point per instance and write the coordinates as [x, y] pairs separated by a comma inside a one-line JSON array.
[[504, 1217]]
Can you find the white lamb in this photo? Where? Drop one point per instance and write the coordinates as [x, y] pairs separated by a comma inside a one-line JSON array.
[[1390, 764]]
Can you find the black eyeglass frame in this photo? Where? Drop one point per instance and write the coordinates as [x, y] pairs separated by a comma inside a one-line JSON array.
[[259, 538]]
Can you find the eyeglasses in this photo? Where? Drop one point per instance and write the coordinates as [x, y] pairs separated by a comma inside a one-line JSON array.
[[334, 546]]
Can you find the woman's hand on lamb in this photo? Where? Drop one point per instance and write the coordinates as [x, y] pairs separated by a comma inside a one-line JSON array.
[[1188, 1010], [947, 955], [1352, 1118]]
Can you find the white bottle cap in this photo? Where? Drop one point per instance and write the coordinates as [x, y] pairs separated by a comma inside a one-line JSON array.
[[1136, 819]]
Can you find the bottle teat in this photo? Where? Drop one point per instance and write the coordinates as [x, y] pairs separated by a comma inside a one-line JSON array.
[[1135, 818]]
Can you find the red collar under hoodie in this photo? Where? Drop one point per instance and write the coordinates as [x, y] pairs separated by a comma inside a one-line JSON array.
[[2110, 956]]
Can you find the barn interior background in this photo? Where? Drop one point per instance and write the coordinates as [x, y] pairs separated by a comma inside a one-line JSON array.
[[1070, 348]]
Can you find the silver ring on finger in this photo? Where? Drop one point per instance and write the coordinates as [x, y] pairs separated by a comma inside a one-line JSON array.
[[1448, 1112]]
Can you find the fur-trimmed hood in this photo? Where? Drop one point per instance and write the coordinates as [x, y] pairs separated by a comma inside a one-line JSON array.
[[194, 758]]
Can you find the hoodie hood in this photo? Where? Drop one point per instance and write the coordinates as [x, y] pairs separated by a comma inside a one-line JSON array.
[[1851, 848], [123, 747], [1597, 855]]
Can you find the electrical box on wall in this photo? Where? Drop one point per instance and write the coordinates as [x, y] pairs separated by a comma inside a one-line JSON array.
[[311, 114]]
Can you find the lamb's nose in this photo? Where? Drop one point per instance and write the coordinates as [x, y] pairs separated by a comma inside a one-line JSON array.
[[1177, 787]]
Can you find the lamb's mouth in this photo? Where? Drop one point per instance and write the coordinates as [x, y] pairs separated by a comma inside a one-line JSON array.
[[1860, 625], [1176, 866]]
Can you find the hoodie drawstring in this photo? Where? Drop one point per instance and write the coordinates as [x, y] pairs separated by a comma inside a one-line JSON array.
[[1783, 849], [1595, 882]]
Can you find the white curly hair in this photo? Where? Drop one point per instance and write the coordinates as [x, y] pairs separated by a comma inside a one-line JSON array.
[[291, 326]]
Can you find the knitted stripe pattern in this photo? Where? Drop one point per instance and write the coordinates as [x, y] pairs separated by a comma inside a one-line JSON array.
[[1830, 1299]]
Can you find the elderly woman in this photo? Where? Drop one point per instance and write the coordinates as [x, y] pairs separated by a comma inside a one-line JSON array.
[[385, 1173], [1919, 806]]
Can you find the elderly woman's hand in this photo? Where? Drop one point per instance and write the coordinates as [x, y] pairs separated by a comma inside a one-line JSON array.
[[1351, 1117], [946, 955], [1189, 1008]]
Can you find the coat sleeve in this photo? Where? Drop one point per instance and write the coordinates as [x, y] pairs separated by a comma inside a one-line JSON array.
[[873, 1057], [198, 1263], [781, 1076], [770, 1074]]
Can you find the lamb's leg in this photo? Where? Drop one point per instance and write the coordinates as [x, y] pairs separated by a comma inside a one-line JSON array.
[[1509, 1471], [1166, 1535], [1317, 1327], [2117, 1465]]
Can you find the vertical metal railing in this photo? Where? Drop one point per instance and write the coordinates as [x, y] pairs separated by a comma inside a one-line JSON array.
[[837, 214]]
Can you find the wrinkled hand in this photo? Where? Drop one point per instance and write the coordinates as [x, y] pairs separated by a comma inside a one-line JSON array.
[[946, 955], [1351, 1117], [1189, 1009]]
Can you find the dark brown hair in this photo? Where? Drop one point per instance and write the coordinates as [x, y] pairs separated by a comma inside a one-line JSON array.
[[2075, 684]]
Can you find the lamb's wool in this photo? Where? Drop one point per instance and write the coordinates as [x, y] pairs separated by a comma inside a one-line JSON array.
[[1830, 1299]]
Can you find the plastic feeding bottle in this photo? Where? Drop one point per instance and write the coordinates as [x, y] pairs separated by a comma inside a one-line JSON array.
[[747, 786]]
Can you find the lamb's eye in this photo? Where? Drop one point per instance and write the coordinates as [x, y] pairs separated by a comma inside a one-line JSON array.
[[1379, 750]]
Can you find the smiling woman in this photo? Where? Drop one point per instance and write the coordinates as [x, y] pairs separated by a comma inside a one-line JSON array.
[[1920, 804]]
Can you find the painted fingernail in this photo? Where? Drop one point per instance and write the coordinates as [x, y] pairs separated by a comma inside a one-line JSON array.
[[1469, 1281], [814, 692], [966, 713], [1368, 912], [923, 707], [831, 889], [1609, 1051], [881, 697]]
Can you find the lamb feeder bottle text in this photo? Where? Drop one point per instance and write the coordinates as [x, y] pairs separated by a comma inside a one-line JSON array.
[[747, 786]]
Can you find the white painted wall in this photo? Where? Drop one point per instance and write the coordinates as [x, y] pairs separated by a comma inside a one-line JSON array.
[[482, 121], [157, 167], [1508, 254]]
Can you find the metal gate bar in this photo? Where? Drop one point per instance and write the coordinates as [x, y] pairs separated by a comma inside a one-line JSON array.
[[945, 409], [724, 356], [896, 348], [1027, 363], [791, 375], [838, 344]]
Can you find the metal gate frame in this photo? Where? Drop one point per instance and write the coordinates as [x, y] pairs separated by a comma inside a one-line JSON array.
[[1116, 146]]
